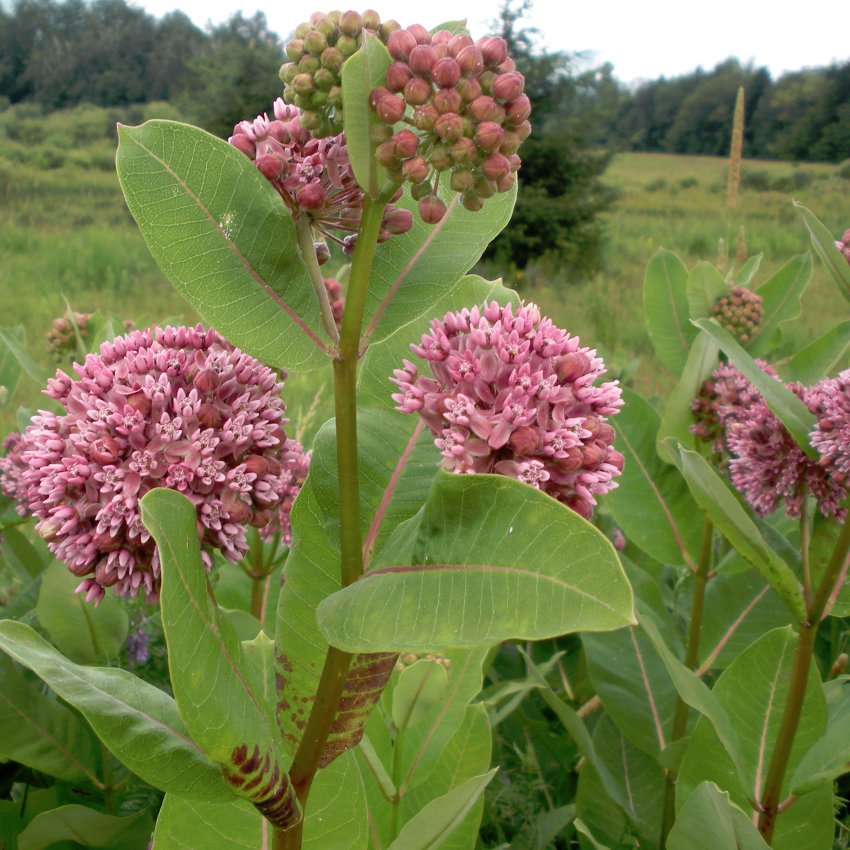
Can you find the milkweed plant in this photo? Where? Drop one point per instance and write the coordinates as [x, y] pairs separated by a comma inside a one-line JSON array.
[[453, 503]]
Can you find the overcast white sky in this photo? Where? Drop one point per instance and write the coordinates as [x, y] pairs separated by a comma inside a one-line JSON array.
[[642, 39]]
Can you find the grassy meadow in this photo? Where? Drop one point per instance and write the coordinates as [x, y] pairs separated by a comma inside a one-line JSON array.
[[66, 234]]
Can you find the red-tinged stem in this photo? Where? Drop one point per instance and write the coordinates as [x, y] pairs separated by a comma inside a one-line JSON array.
[[770, 802], [305, 764]]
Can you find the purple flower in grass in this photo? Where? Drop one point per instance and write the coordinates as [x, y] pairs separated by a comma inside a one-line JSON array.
[[511, 393], [167, 407]]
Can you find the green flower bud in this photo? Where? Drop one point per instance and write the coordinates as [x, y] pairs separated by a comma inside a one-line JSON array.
[[347, 46], [350, 23], [303, 84], [315, 43], [295, 49], [324, 79]]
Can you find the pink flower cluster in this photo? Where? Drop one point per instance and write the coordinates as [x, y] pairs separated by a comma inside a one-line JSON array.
[[168, 407], [766, 464], [513, 394], [293, 473], [843, 245], [12, 469], [313, 176]]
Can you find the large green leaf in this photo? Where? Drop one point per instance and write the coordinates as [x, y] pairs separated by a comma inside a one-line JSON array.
[[223, 711], [418, 689], [709, 820], [705, 286], [739, 609], [824, 243], [819, 358], [792, 413], [753, 691], [137, 721], [678, 417], [40, 732], [224, 238], [413, 272], [651, 504], [830, 756], [362, 72], [640, 777], [21, 554], [88, 827], [458, 575], [335, 818], [466, 755], [85, 633], [781, 295], [434, 823], [633, 684], [824, 538], [729, 517], [665, 307]]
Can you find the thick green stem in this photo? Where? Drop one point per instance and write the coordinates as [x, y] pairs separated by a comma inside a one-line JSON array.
[[769, 804], [680, 718], [304, 232], [305, 764], [258, 587]]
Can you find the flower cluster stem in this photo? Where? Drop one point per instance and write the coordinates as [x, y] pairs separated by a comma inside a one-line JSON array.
[[304, 232], [305, 764], [680, 718], [769, 804]]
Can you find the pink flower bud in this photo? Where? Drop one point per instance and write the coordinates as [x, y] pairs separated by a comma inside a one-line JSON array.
[[495, 166], [494, 50], [415, 170], [398, 75], [510, 143], [386, 154], [371, 20], [525, 440], [508, 86], [471, 60], [462, 180], [256, 465], [518, 110], [464, 151], [417, 91], [323, 253], [447, 100], [468, 88], [242, 143], [449, 127], [398, 221], [350, 23], [270, 165], [484, 108], [400, 43], [425, 116], [445, 72], [406, 144], [311, 196], [488, 136], [471, 201], [419, 32], [457, 43], [390, 108], [505, 183], [422, 59], [432, 209], [507, 66]]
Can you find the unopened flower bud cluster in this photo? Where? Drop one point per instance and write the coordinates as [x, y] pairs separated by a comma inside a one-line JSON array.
[[512, 394], [313, 176], [170, 407], [312, 77], [409, 658], [466, 114], [740, 312], [62, 336]]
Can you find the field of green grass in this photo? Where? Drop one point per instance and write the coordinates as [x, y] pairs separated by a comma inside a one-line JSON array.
[[66, 234]]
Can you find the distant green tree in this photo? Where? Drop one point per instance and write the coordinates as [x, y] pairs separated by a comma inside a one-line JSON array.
[[558, 211], [234, 75]]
